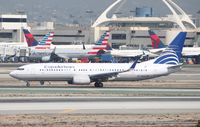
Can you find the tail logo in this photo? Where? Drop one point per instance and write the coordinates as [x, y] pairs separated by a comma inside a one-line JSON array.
[[156, 42], [168, 57], [30, 40]]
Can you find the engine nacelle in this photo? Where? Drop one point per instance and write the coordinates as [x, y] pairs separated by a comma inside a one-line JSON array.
[[81, 80], [45, 58]]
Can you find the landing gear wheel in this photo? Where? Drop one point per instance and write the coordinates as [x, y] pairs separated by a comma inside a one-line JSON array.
[[98, 84], [28, 84], [41, 82], [101, 84]]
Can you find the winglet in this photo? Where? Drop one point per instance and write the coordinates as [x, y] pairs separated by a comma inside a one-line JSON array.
[[134, 63]]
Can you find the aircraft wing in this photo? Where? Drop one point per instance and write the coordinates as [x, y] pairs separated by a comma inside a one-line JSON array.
[[105, 76], [127, 55], [191, 53], [156, 51]]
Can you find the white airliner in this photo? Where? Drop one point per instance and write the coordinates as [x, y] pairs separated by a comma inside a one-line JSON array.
[[126, 53], [85, 73], [73, 73], [130, 53], [100, 47]]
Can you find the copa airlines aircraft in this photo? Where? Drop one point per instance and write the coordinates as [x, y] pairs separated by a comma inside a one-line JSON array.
[[85, 73], [73, 73]]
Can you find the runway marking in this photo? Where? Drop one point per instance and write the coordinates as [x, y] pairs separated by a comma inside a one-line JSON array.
[[186, 75], [68, 110]]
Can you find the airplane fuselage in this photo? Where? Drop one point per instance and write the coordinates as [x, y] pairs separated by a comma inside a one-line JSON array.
[[66, 71]]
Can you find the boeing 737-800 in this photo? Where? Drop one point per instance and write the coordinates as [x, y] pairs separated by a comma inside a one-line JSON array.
[[73, 73], [85, 73]]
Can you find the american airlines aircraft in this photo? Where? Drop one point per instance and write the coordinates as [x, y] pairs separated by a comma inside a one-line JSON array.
[[85, 73], [100, 47]]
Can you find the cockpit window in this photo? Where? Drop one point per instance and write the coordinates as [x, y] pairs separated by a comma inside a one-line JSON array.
[[20, 69]]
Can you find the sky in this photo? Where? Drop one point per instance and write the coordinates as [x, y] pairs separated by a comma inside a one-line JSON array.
[[76, 11]]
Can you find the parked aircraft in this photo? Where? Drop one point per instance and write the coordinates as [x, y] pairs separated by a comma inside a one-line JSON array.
[[99, 48], [42, 50], [158, 46], [127, 53], [45, 43], [85, 73]]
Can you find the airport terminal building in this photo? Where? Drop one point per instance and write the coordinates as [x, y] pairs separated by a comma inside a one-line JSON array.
[[126, 32]]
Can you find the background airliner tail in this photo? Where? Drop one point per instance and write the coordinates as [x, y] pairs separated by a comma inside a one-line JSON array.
[[47, 39], [173, 53], [32, 42], [30, 39], [155, 40], [102, 45]]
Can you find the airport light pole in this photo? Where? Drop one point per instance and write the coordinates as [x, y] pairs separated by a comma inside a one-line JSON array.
[[21, 26], [90, 12]]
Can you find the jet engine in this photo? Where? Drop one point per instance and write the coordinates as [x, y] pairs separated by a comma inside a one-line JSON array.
[[81, 80], [46, 59]]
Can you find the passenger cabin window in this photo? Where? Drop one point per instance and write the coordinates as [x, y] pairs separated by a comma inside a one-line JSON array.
[[20, 69]]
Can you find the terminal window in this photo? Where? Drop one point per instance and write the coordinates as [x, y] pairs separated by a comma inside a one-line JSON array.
[[118, 36], [5, 35], [13, 19]]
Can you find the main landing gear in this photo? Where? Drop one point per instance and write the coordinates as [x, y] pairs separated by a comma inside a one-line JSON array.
[[42, 83], [27, 84], [98, 84]]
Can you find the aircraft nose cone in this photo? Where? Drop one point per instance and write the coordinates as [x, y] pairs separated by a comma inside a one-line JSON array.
[[12, 74]]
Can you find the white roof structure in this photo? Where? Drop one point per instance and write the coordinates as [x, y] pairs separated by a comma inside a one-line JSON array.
[[179, 16]]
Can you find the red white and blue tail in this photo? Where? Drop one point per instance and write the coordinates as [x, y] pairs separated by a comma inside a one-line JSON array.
[[45, 43], [47, 39], [101, 45]]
